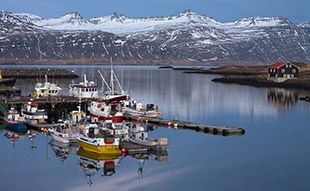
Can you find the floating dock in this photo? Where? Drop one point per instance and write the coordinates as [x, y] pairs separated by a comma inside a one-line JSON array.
[[211, 129]]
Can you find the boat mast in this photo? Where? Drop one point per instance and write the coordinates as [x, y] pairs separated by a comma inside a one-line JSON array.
[[112, 78], [85, 79], [104, 82], [113, 75]]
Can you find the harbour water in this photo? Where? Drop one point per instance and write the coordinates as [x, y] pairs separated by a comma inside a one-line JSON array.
[[271, 155]]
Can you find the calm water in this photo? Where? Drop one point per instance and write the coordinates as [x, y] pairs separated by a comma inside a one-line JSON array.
[[272, 155]]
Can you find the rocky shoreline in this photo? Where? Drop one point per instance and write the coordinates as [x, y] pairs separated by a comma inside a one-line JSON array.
[[261, 82], [257, 76], [37, 73]]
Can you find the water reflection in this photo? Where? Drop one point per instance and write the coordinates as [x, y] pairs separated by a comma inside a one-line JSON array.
[[92, 162], [280, 97], [14, 133], [187, 96], [62, 150]]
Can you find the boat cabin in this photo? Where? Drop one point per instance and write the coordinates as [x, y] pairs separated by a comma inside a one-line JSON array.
[[85, 89], [12, 116], [280, 72], [31, 107], [77, 116]]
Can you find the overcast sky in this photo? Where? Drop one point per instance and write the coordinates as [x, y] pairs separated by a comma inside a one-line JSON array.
[[221, 10]]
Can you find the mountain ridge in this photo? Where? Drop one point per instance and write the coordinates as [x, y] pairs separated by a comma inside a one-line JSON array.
[[187, 36]]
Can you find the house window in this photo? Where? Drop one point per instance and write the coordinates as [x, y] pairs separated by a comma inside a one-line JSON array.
[[283, 70], [286, 65], [290, 65], [294, 71]]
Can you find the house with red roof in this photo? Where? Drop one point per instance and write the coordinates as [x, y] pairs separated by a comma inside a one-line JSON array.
[[280, 72]]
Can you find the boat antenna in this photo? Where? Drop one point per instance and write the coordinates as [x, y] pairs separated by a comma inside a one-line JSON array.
[[104, 81]]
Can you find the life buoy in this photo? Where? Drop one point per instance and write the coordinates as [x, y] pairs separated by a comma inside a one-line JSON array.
[[99, 105]]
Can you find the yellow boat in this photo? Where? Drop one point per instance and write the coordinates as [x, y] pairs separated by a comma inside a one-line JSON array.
[[97, 156], [105, 149], [95, 140]]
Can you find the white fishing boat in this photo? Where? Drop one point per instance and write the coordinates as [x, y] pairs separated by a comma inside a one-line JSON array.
[[85, 89], [46, 89], [62, 132], [140, 136], [31, 111], [94, 139], [134, 108], [13, 117]]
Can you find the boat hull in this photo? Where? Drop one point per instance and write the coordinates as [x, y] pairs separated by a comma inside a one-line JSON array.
[[136, 113], [17, 128], [144, 143], [106, 149], [60, 139]]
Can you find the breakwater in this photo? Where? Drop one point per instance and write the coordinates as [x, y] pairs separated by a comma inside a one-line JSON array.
[[37, 73]]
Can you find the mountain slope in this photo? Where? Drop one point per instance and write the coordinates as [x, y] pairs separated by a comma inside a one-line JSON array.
[[187, 36]]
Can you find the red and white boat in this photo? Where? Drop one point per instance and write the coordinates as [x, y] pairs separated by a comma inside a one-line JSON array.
[[104, 108], [101, 110], [13, 117]]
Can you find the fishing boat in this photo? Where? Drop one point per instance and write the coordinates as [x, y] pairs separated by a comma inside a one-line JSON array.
[[101, 110], [140, 136], [13, 117], [62, 132], [134, 108], [85, 89], [46, 89], [31, 112], [94, 139]]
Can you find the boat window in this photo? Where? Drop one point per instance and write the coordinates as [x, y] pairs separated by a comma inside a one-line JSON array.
[[58, 129]]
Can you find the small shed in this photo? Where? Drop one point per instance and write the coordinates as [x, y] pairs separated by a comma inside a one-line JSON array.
[[280, 72]]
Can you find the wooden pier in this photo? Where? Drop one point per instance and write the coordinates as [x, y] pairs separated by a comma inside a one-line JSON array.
[[210, 129], [57, 107]]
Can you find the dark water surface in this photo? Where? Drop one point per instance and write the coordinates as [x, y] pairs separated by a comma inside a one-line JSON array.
[[272, 155]]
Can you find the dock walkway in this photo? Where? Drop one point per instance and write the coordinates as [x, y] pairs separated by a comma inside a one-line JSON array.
[[211, 129]]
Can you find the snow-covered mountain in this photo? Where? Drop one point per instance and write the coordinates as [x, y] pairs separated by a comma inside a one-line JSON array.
[[185, 36]]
